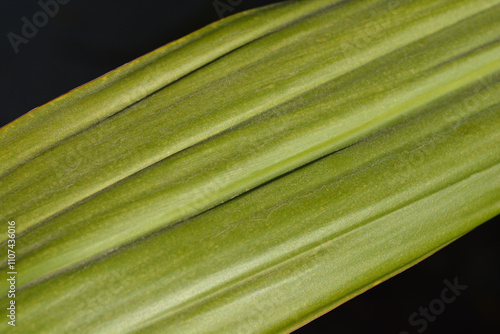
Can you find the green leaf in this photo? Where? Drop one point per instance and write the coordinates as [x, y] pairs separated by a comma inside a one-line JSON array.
[[259, 172]]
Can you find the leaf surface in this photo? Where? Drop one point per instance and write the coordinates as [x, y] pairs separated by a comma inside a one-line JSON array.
[[258, 185]]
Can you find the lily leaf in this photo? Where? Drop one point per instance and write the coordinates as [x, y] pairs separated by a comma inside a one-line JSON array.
[[257, 173]]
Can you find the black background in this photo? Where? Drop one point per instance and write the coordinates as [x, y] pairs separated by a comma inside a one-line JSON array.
[[88, 38]]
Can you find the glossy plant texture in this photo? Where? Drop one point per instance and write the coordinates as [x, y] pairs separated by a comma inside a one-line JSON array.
[[256, 173]]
